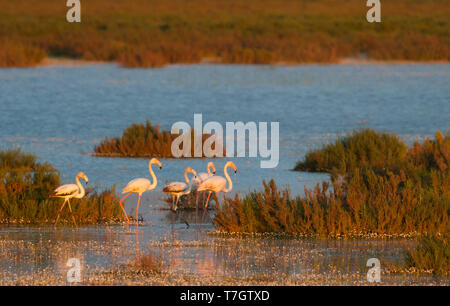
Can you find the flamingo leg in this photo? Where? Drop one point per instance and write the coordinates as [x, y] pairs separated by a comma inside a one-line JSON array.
[[70, 208], [120, 203], [176, 203], [217, 203], [62, 206], [173, 201], [137, 209], [196, 202], [206, 206], [178, 215]]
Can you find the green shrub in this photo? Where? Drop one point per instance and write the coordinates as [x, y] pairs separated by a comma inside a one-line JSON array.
[[361, 149]]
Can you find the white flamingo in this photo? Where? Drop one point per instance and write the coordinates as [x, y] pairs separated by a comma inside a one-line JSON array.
[[139, 186], [70, 191], [177, 189], [217, 184], [202, 176]]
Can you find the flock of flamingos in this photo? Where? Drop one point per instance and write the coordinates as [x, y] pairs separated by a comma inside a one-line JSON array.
[[202, 182]]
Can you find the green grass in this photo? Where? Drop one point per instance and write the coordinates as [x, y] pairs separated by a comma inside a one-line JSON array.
[[25, 187], [153, 33]]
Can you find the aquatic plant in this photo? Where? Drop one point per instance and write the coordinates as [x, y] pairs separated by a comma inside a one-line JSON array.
[[149, 263], [158, 32], [410, 195], [431, 254], [25, 186], [141, 140]]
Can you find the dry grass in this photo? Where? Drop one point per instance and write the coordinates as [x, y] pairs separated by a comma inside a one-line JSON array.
[[153, 33], [150, 263]]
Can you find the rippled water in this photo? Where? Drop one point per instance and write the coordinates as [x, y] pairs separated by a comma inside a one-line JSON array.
[[60, 113]]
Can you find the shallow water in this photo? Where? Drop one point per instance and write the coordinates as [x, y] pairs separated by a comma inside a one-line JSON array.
[[60, 113]]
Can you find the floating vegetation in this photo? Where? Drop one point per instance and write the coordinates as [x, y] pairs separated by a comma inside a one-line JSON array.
[[141, 140], [371, 198], [25, 187]]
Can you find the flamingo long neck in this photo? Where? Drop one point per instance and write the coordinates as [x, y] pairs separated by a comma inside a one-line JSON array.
[[186, 177], [230, 183], [154, 179], [81, 191], [209, 170]]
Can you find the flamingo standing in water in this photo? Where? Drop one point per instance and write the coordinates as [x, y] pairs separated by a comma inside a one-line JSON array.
[[217, 184], [68, 192], [202, 176], [177, 189], [139, 186]]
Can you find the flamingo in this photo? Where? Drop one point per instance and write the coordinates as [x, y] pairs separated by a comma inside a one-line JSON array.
[[217, 184], [211, 169], [139, 186], [68, 192], [177, 189]]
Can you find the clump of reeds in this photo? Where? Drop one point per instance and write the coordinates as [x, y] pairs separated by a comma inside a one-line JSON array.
[[361, 149], [25, 187], [431, 254], [141, 140], [376, 197]]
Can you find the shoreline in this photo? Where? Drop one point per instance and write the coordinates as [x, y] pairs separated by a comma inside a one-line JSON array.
[[62, 62]]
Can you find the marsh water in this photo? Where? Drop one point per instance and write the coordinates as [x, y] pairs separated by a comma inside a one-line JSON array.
[[60, 113]]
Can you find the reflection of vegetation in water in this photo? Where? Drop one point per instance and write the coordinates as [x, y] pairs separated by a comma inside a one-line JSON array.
[[154, 33], [142, 140], [25, 186], [397, 194]]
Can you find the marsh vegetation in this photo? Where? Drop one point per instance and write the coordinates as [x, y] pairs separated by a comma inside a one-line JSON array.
[[378, 187], [158, 32], [141, 140], [25, 187]]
